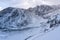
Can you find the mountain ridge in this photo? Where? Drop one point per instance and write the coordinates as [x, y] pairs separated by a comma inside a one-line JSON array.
[[21, 18]]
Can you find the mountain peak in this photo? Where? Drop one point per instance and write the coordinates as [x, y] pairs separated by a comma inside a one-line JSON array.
[[15, 16]]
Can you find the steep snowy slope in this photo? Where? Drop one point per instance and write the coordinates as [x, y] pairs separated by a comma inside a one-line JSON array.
[[52, 23], [52, 35], [28, 24], [15, 18]]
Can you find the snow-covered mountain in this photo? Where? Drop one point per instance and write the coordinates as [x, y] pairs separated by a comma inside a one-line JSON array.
[[30, 23]]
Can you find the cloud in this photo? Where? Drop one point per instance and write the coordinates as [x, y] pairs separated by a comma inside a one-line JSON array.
[[1, 8], [20, 4], [26, 3], [52, 2]]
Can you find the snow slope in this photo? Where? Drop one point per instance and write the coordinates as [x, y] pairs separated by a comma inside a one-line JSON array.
[[28, 24], [52, 35]]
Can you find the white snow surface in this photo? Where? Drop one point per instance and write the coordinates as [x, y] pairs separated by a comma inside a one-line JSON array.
[[40, 29]]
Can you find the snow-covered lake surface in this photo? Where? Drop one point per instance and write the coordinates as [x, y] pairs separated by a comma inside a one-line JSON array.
[[53, 35]]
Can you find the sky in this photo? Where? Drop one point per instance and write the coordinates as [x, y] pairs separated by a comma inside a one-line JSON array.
[[25, 3]]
